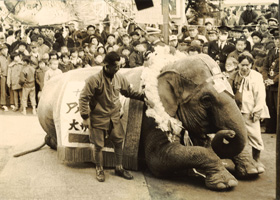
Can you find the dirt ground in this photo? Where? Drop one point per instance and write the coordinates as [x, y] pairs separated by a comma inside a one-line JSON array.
[[42, 176]]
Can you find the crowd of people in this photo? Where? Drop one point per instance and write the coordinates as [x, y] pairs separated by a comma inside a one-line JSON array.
[[31, 56]]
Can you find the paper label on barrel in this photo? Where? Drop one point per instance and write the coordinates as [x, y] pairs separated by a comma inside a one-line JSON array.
[[73, 134]]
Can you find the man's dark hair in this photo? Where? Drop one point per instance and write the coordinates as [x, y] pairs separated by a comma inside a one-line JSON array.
[[247, 56], [90, 26], [111, 58]]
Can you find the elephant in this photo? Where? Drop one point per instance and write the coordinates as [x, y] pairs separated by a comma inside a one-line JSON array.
[[192, 90]]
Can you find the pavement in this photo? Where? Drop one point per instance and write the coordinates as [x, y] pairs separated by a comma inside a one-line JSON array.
[[41, 175]]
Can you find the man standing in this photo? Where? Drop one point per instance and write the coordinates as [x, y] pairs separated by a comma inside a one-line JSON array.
[[248, 16], [100, 109], [270, 72], [220, 49]]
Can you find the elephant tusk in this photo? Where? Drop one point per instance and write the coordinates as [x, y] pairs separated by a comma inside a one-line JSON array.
[[225, 141]]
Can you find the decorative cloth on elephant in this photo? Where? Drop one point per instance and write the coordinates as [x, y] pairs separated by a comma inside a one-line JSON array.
[[157, 60]]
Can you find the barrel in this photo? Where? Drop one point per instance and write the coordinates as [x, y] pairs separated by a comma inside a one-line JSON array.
[[59, 116]]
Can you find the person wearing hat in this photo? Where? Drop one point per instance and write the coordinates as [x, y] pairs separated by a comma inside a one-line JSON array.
[[136, 57], [153, 35], [134, 36], [173, 41], [229, 19], [100, 106], [3, 75], [264, 30], [272, 22], [270, 72], [194, 35], [220, 48], [273, 12], [212, 35], [257, 37], [248, 16]]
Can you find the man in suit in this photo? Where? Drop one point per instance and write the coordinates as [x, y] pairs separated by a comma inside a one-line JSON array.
[[270, 72], [220, 48]]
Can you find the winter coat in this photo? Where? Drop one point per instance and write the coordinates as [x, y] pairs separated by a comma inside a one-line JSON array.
[[13, 77]]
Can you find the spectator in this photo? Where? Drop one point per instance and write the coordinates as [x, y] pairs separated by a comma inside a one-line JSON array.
[[153, 36], [53, 71], [273, 12], [229, 19], [270, 72], [194, 50], [3, 75], [111, 41], [94, 40], [193, 32], [272, 22], [125, 53], [74, 59], [134, 36], [183, 35], [136, 57], [231, 66], [27, 80], [173, 41], [11, 37], [34, 54], [259, 54], [239, 48], [247, 33], [65, 65], [212, 35], [40, 75], [13, 77], [248, 16], [220, 49], [42, 48], [125, 43], [257, 37]]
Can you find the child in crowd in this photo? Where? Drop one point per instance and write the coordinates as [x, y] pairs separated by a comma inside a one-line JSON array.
[[125, 53], [13, 78], [194, 50], [98, 60], [40, 74], [53, 71], [75, 60], [111, 41], [136, 58], [256, 37], [27, 80], [64, 50], [231, 66], [240, 46], [3, 74], [65, 65], [249, 90], [109, 49]]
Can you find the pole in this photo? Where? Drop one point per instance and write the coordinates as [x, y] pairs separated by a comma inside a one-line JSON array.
[[165, 13]]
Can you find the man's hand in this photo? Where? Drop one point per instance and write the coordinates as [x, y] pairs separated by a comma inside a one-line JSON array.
[[149, 103], [86, 123], [256, 116]]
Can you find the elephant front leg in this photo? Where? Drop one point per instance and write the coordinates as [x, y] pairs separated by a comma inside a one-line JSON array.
[[246, 166], [175, 157]]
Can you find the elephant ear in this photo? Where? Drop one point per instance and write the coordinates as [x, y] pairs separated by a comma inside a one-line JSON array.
[[172, 89]]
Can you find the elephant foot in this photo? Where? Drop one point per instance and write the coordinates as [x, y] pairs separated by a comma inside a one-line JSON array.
[[220, 180], [246, 166]]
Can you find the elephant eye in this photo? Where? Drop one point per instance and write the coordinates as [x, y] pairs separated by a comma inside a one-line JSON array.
[[206, 100]]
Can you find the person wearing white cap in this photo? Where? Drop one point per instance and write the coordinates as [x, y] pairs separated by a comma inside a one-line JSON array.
[[153, 35], [173, 41]]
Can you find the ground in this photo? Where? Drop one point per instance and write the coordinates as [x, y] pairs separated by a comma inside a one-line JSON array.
[[41, 175]]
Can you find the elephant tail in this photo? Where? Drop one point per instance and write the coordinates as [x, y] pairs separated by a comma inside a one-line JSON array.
[[30, 151]]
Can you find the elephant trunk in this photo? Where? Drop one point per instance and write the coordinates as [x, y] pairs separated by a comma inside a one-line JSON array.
[[231, 138]]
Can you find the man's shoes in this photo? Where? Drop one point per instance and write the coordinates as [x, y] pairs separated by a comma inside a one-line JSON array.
[[5, 108], [100, 176], [123, 173]]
